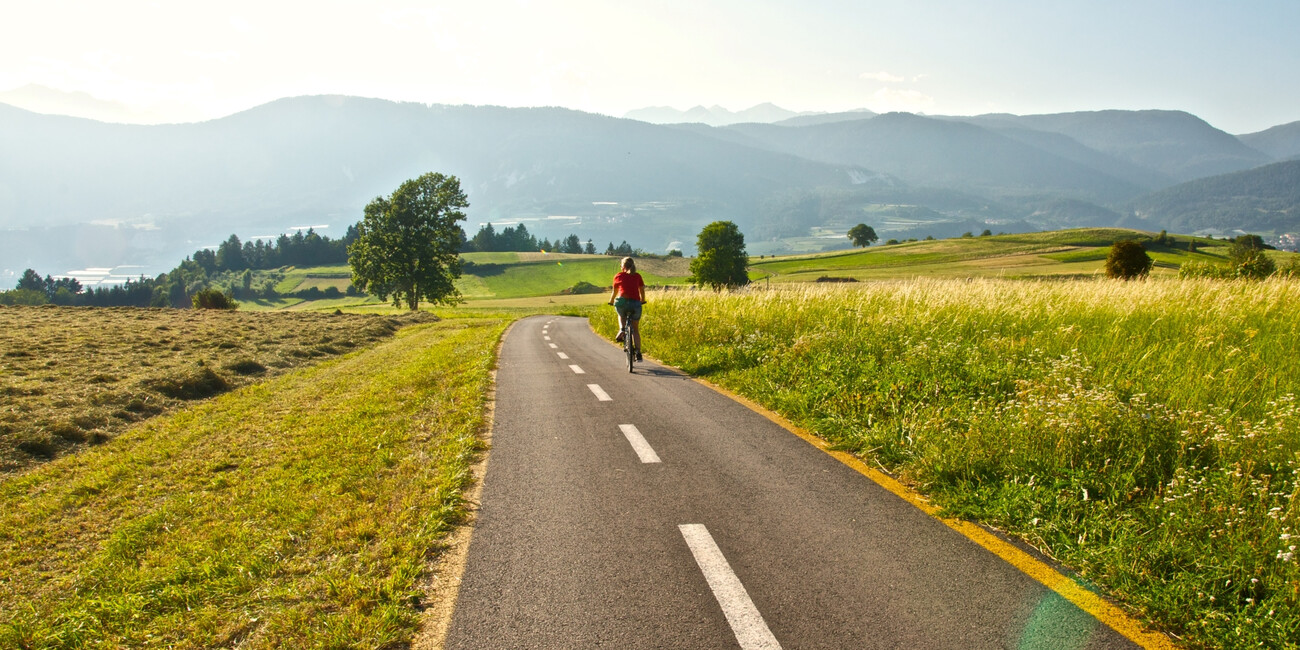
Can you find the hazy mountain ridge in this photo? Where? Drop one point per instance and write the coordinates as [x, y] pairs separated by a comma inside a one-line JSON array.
[[714, 115], [1263, 199], [318, 160], [943, 153], [1282, 141], [1174, 143]]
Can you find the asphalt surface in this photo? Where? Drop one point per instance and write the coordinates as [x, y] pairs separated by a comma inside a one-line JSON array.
[[581, 544]]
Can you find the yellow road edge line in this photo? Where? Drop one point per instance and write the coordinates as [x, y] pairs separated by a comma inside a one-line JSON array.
[[1096, 606]]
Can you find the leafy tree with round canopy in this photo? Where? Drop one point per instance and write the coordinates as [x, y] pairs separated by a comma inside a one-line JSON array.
[[721, 261], [863, 235], [1127, 260], [408, 243]]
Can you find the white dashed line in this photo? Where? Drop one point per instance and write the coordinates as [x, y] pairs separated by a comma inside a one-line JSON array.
[[546, 338], [751, 630], [577, 371], [562, 355], [639, 444], [601, 395], [553, 346]]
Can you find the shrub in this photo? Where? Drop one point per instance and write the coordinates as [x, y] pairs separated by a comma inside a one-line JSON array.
[[1253, 264], [213, 299], [1204, 270], [581, 288], [1128, 260], [23, 297]]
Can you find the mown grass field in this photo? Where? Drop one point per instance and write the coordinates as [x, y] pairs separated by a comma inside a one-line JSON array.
[[1144, 433], [73, 376], [298, 512]]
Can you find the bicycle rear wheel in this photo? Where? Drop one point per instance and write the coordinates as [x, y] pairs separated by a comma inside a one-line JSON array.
[[627, 349]]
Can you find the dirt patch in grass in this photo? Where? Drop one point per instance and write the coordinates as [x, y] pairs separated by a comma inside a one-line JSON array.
[[75, 376]]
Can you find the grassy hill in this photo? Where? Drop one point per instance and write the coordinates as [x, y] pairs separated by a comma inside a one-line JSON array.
[[1041, 254], [520, 275], [537, 279]]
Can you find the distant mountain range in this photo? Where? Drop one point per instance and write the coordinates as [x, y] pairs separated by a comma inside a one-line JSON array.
[[718, 116], [76, 192]]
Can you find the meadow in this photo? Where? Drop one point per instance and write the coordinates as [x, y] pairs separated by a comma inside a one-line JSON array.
[[301, 511], [1145, 433], [1076, 252], [73, 377]]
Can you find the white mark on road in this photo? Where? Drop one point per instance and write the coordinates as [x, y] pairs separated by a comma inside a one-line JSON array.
[[553, 346], [546, 338], [750, 628], [577, 371], [599, 393], [562, 355], [639, 444]]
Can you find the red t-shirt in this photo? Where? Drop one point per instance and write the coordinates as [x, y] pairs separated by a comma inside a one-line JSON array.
[[628, 285]]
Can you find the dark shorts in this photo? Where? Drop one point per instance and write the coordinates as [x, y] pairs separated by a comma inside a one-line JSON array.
[[628, 308]]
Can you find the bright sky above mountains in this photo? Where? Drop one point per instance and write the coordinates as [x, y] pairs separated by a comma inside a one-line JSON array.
[[1235, 64]]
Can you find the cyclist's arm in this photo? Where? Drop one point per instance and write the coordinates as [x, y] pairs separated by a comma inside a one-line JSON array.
[[612, 295], [642, 290]]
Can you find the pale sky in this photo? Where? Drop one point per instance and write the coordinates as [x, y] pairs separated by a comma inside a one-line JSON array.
[[1234, 63]]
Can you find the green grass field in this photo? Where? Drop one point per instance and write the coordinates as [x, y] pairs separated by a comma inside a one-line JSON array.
[[522, 275], [1054, 253], [1146, 433], [298, 512]]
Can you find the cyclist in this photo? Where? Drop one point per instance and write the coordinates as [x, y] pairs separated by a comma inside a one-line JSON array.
[[627, 298]]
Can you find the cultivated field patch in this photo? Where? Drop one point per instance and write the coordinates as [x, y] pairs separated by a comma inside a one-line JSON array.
[[76, 376]]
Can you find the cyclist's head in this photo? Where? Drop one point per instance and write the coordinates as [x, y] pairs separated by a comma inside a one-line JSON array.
[[629, 265]]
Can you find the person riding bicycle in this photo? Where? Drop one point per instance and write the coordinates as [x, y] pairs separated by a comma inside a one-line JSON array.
[[627, 298]]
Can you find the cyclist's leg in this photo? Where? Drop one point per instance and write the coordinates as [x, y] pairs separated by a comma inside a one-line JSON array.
[[622, 321], [635, 315]]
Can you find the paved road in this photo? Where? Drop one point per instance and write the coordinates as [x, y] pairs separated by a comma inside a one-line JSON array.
[[740, 535]]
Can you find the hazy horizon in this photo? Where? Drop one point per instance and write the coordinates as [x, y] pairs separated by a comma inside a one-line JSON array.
[[1234, 66]]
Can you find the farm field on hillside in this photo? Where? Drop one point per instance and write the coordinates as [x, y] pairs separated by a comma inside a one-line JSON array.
[[534, 274], [1059, 253], [76, 376], [1146, 434]]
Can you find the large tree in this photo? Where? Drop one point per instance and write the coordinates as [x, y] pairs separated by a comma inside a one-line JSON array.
[[1127, 260], [721, 261], [408, 244], [863, 235]]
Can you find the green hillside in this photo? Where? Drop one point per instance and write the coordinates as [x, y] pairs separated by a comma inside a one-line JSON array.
[[1042, 254], [490, 278], [519, 275]]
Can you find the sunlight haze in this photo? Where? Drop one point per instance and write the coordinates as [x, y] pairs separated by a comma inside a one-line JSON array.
[[1235, 65]]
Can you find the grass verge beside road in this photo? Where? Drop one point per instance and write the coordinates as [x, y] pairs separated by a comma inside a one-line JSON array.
[[1146, 434], [297, 512]]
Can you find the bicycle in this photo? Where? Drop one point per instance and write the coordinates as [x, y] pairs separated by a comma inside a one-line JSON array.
[[628, 349]]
